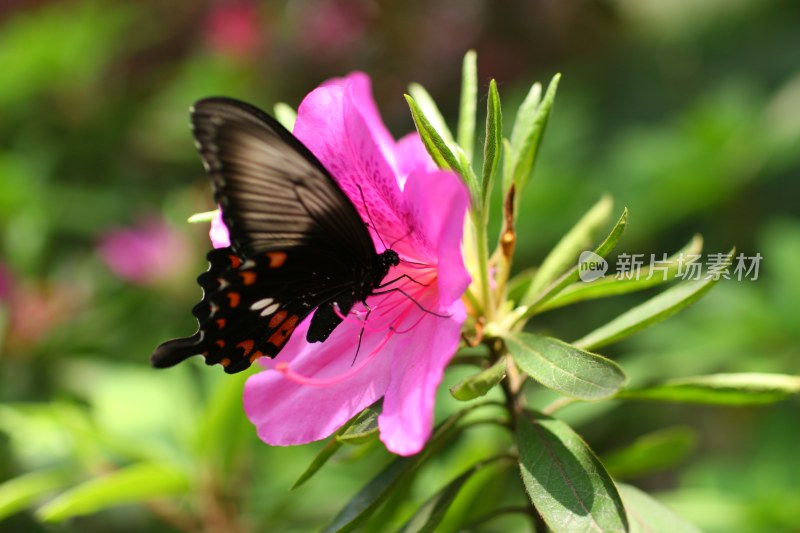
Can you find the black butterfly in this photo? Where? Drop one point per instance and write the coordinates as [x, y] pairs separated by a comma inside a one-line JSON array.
[[298, 245]]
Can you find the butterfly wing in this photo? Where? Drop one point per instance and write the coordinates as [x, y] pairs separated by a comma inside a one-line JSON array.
[[274, 193], [297, 242]]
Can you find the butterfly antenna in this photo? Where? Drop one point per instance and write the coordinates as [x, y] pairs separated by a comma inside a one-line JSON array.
[[369, 216]]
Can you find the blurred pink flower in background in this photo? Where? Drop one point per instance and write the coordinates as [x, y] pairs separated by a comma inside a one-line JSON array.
[[331, 28], [232, 28], [149, 253]]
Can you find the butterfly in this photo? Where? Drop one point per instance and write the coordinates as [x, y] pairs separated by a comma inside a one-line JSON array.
[[298, 244]]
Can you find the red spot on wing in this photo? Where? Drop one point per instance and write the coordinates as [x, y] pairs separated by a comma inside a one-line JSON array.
[[248, 277], [277, 318], [221, 323], [220, 343], [234, 298], [225, 362], [278, 338], [235, 261], [247, 346], [276, 259]]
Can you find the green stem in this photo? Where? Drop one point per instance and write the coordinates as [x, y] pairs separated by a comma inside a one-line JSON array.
[[482, 251]]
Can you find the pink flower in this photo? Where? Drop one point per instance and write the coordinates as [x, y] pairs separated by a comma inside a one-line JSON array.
[[146, 254], [312, 389], [233, 28]]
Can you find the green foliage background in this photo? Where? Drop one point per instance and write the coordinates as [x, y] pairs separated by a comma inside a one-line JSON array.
[[688, 113]]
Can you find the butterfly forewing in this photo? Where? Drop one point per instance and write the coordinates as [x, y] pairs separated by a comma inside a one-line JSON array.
[[297, 242]]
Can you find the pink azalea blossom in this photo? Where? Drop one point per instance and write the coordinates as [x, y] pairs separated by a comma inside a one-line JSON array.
[[148, 253], [311, 390]]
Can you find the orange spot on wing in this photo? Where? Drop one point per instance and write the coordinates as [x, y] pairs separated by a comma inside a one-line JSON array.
[[248, 277], [235, 261], [221, 323], [234, 297], [220, 343], [225, 362], [279, 337], [277, 318], [246, 346], [255, 356], [276, 259]]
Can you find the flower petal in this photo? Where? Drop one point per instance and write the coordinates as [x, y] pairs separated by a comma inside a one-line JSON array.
[[438, 203], [418, 365], [286, 412]]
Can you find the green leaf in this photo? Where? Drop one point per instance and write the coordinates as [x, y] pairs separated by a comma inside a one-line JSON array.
[[430, 514], [479, 384], [22, 492], [564, 368], [433, 140], [431, 112], [564, 479], [333, 445], [720, 389], [285, 115], [327, 451], [651, 312], [364, 428], [494, 141], [379, 488], [131, 484], [579, 238], [526, 136], [611, 286], [537, 301], [469, 104], [651, 453], [647, 515]]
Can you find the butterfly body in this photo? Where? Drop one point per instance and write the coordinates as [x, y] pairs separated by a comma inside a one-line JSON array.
[[298, 244]]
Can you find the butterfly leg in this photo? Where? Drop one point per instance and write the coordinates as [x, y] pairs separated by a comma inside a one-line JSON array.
[[361, 333], [404, 293]]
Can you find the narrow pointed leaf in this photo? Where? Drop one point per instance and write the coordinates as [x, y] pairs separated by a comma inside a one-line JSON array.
[[364, 428], [529, 129], [564, 368], [651, 312], [22, 492], [469, 104], [648, 515], [479, 384], [653, 452], [322, 457], [136, 483], [494, 140], [568, 250], [431, 111], [432, 139], [564, 479], [333, 445], [379, 488], [611, 286], [431, 513], [721, 389], [536, 301]]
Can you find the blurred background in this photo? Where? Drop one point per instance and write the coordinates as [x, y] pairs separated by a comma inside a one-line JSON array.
[[686, 112]]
